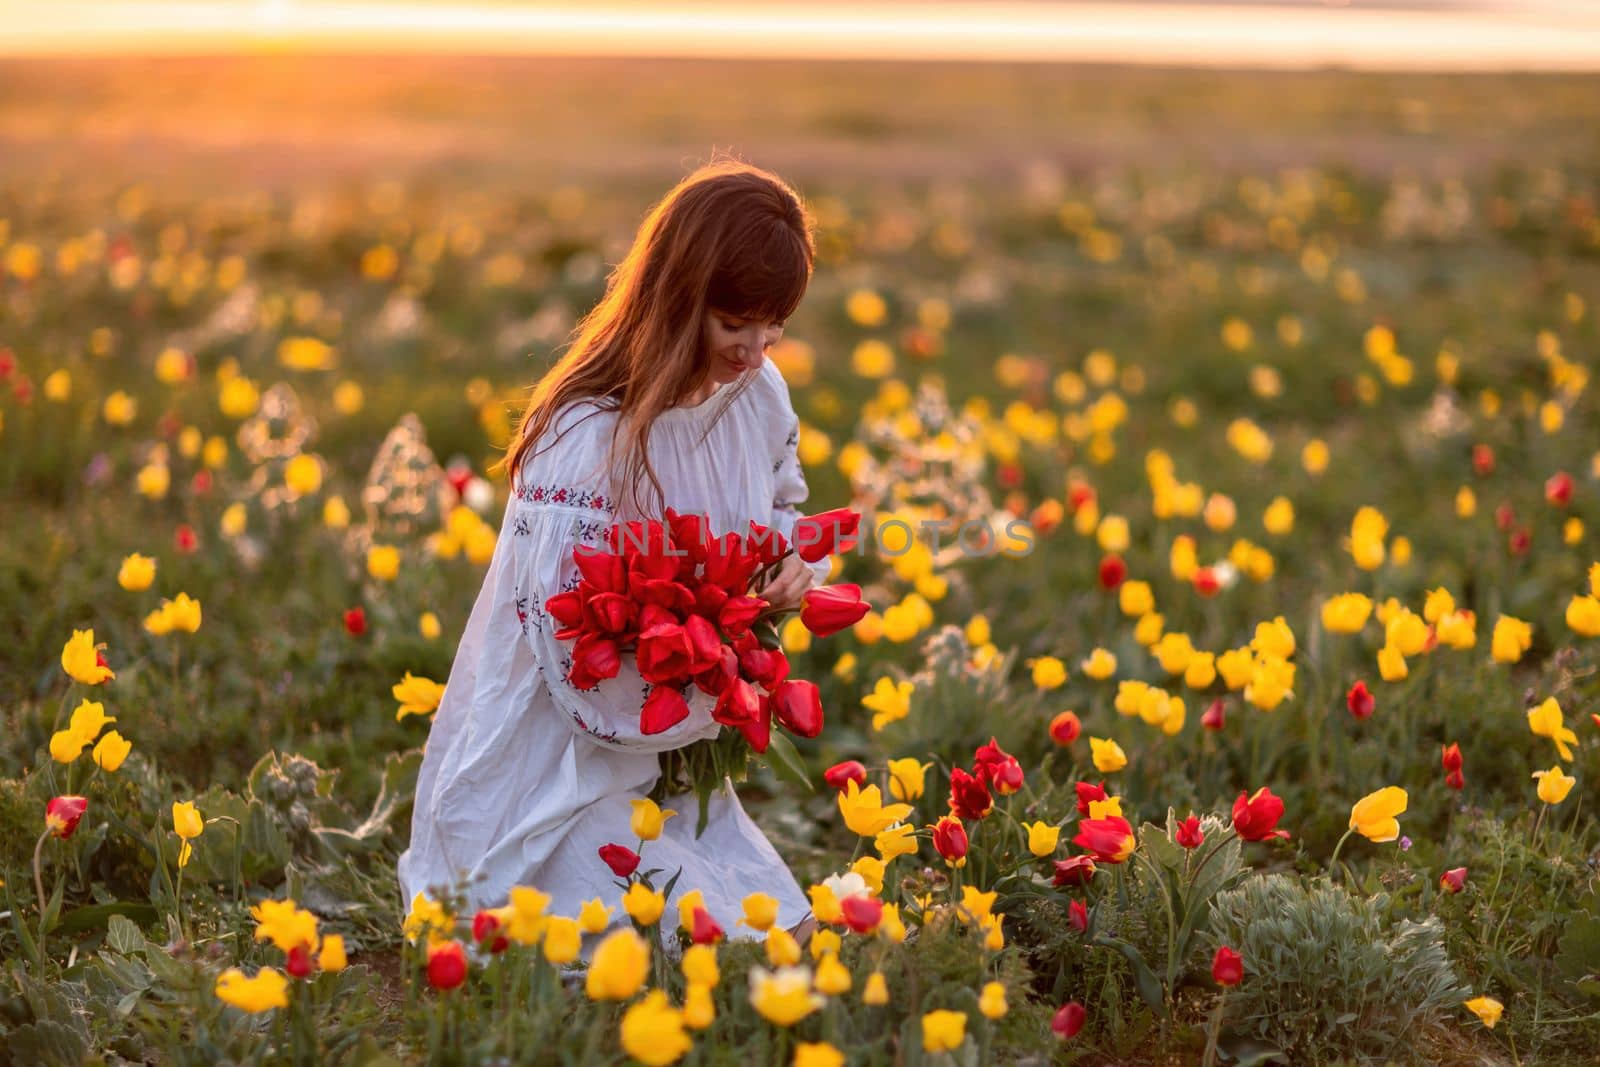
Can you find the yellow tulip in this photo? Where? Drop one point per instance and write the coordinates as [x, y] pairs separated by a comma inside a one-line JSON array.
[[266, 990], [80, 659], [992, 1001], [864, 811], [643, 905], [876, 990], [906, 778], [782, 949], [699, 1011], [383, 562], [1512, 637], [186, 820], [1373, 816], [648, 818], [620, 965], [817, 1054], [561, 939], [417, 696], [285, 924], [331, 956], [832, 977], [1108, 755], [1099, 665], [136, 573], [760, 912], [652, 1031], [943, 1030], [1042, 838], [111, 750], [1545, 721], [700, 965], [1048, 672], [594, 916], [1554, 785], [1487, 1009], [783, 997], [1583, 615]]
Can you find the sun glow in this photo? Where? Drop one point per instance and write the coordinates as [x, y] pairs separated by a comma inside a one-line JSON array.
[[1543, 34]]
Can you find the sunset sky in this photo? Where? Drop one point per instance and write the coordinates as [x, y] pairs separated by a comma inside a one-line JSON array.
[[1467, 34]]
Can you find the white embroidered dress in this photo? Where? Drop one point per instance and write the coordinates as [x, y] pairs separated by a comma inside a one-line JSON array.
[[523, 776]]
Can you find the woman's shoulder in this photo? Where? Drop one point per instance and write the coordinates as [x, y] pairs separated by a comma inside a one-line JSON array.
[[772, 393], [568, 461]]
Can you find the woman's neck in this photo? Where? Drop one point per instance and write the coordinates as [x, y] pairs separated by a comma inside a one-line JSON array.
[[701, 393]]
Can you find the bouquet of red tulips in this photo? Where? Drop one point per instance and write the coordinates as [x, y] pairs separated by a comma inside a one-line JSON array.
[[680, 600]]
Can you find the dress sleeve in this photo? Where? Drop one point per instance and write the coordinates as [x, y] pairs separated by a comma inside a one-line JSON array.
[[561, 502], [789, 480]]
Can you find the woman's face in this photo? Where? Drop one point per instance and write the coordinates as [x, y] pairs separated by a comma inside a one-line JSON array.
[[737, 344]]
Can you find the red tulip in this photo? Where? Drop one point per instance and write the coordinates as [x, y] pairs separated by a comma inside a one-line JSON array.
[[200, 484], [664, 650], [1206, 582], [862, 913], [1255, 817], [997, 769], [1558, 489], [1483, 460], [622, 860], [1454, 880], [355, 622], [1520, 541], [1065, 728], [969, 796], [1189, 834], [798, 705], [1455, 780], [186, 538], [705, 931], [1110, 839], [484, 926], [298, 963], [1450, 757], [840, 774], [1504, 517], [447, 965], [1079, 494], [1360, 701], [828, 609], [825, 533], [950, 839], [1112, 571], [61, 814], [594, 659], [1075, 870], [663, 709], [1216, 716], [1226, 967], [1078, 915], [1069, 1020]]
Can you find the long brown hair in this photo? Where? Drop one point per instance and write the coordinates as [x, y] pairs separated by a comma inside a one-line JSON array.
[[731, 237]]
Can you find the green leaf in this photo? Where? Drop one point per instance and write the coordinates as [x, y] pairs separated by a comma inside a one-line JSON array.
[[122, 934], [94, 916], [786, 762], [1149, 985]]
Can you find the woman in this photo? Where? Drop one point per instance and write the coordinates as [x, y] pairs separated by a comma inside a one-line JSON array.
[[664, 399]]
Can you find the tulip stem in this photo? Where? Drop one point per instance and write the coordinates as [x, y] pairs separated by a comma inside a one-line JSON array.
[[38, 873], [1334, 862]]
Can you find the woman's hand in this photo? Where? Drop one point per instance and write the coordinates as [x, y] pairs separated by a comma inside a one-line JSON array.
[[788, 584]]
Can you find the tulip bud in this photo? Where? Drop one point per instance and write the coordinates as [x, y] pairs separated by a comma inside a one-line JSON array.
[[1069, 1020], [1453, 880], [61, 815], [1227, 969]]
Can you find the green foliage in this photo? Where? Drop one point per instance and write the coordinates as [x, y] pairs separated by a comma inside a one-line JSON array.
[[1327, 974]]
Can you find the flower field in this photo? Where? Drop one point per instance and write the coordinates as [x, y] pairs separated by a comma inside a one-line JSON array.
[[1236, 698]]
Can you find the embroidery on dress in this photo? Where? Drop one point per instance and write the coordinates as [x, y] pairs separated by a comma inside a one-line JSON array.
[[562, 495]]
